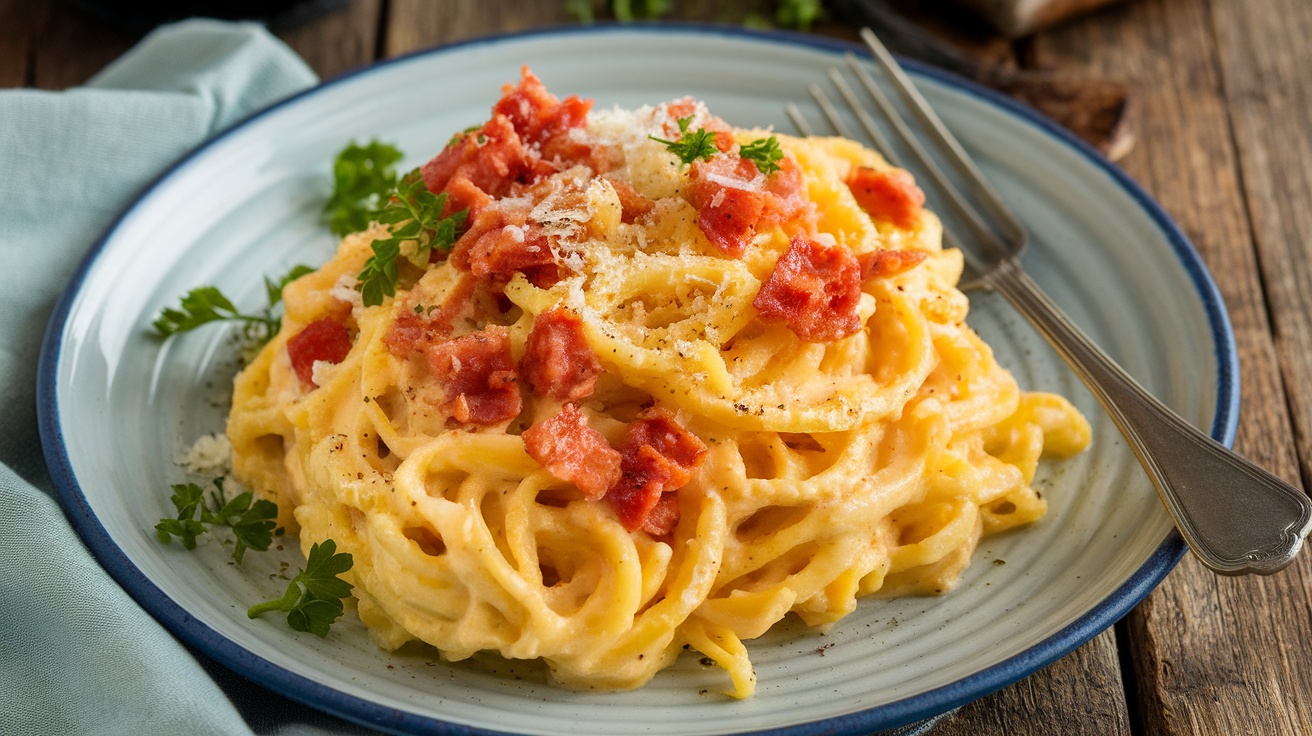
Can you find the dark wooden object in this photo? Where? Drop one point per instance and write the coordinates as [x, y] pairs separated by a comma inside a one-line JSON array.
[[1225, 101]]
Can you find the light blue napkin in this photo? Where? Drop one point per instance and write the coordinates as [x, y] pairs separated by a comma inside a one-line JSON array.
[[77, 655]]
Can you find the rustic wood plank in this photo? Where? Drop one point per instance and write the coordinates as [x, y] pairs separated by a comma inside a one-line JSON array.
[[1078, 695], [73, 46], [1265, 60], [339, 41], [1210, 655], [417, 24], [20, 23]]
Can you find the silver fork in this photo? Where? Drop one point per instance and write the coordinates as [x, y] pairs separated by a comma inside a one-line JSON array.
[[1236, 517]]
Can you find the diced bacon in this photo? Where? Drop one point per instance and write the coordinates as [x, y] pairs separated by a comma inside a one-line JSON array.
[[325, 340], [491, 251], [491, 159], [558, 361], [815, 290], [786, 200], [633, 204], [536, 113], [882, 263], [546, 122], [887, 194], [477, 374], [658, 456], [664, 516], [728, 204], [573, 451], [462, 194], [412, 331]]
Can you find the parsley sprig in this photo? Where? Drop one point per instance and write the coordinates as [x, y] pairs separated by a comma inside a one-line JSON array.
[[414, 215], [699, 144], [764, 152], [362, 177], [313, 600], [252, 522], [206, 304]]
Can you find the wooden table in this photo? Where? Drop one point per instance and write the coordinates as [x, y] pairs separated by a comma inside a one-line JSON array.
[[1224, 142]]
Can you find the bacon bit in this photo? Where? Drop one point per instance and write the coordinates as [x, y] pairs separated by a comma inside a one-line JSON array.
[[887, 194], [461, 193], [411, 332], [491, 158], [664, 516], [633, 204], [658, 456], [324, 340], [882, 263], [729, 201], [501, 241], [536, 113], [544, 121], [814, 289], [786, 200], [573, 451], [477, 373], [558, 361]]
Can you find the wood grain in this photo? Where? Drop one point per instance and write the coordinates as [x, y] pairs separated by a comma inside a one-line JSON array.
[[339, 41], [1265, 60], [71, 46], [1078, 695], [1210, 655]]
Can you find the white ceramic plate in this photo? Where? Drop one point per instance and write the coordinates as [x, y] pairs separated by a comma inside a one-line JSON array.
[[115, 403]]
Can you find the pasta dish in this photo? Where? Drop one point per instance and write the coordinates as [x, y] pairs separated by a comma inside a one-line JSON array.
[[672, 382]]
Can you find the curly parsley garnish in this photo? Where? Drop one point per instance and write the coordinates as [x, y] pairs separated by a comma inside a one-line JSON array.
[[206, 304], [764, 152], [362, 177], [313, 600], [252, 523], [414, 215], [699, 144]]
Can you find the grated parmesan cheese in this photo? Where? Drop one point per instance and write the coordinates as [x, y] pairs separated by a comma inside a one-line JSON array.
[[210, 454]]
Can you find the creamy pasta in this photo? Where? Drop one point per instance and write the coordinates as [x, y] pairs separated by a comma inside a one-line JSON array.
[[643, 404]]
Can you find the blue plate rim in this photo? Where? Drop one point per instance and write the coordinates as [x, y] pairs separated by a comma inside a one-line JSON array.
[[365, 712]]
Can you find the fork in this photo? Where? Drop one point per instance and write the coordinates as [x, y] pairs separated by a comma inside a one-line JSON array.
[[1236, 517]]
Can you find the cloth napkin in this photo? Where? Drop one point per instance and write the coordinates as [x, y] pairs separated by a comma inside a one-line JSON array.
[[77, 655]]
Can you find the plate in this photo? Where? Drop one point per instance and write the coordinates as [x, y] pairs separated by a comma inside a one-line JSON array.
[[116, 404]]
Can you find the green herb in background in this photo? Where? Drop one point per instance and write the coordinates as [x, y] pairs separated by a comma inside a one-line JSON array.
[[362, 177], [252, 522], [625, 11], [690, 146], [414, 214], [799, 14], [313, 600], [764, 152]]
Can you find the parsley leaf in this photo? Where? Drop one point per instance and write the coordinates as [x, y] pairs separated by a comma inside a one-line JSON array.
[[205, 304], [690, 146], [764, 152], [187, 498], [313, 600], [362, 177], [252, 524], [414, 216]]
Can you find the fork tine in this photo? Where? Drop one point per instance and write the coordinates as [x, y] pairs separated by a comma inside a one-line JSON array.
[[978, 227], [959, 158]]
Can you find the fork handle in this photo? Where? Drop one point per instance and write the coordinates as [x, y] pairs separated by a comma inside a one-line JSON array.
[[1236, 517]]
